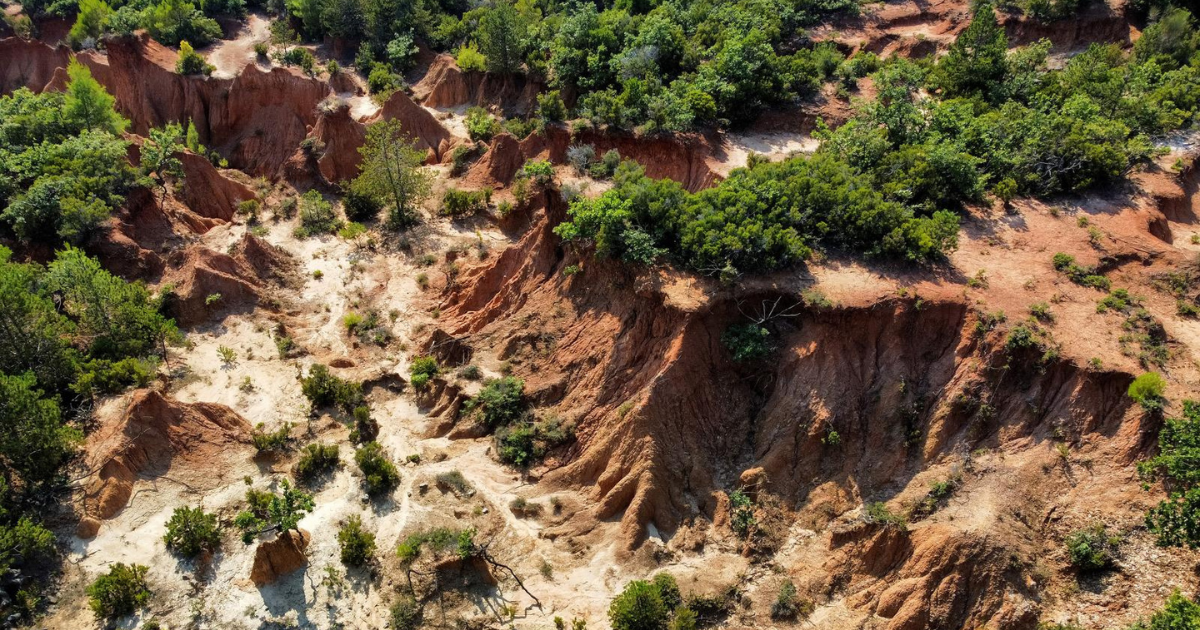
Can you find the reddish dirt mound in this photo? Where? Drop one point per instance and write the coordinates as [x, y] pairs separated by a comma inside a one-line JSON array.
[[256, 119], [238, 280], [342, 136], [934, 577], [683, 158], [660, 406], [207, 192], [276, 558], [417, 123], [446, 85], [29, 64], [153, 435]]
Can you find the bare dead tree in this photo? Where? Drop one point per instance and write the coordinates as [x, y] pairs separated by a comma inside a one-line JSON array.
[[769, 310]]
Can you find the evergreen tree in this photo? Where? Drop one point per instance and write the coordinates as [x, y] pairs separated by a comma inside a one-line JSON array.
[[392, 173], [502, 38], [87, 104], [977, 61]]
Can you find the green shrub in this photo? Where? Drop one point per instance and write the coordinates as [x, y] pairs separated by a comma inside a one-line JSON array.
[[455, 481], [1179, 613], [379, 473], [315, 460], [741, 513], [1175, 521], [270, 442], [1147, 390], [747, 342], [422, 370], [357, 545], [501, 402], [460, 203], [879, 513], [540, 172], [788, 605], [470, 59], [316, 216], [190, 62], [480, 124], [324, 389], [639, 607], [360, 207], [119, 592], [406, 614], [366, 429], [551, 107], [191, 531], [280, 511], [523, 444], [1092, 549]]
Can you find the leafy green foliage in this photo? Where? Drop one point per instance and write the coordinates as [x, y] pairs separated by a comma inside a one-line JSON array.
[[62, 165], [391, 173], [501, 402], [324, 389], [747, 342], [481, 125], [1179, 613], [379, 473], [119, 592], [1176, 520], [643, 605], [268, 511], [422, 370], [357, 544], [524, 443], [461, 203], [316, 459], [741, 513], [190, 62], [316, 216], [1147, 390], [191, 531], [469, 58], [1092, 549], [759, 219]]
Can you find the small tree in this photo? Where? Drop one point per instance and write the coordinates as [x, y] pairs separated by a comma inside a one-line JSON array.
[[1092, 549], [392, 174], [191, 531], [190, 61], [357, 544], [158, 159], [87, 104], [119, 592], [502, 38], [273, 512]]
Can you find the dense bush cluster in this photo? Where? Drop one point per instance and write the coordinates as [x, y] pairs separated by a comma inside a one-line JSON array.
[[62, 161], [651, 605], [192, 531], [168, 21], [939, 135]]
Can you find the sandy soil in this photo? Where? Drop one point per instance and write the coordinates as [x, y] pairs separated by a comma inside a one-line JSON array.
[[230, 56]]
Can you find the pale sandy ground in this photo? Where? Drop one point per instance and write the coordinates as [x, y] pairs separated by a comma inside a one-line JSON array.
[[230, 56]]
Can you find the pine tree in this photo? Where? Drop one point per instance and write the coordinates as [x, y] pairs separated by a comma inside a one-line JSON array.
[[87, 104], [392, 173], [977, 61], [502, 38]]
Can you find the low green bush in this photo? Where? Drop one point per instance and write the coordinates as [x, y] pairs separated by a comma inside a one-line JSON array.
[[357, 544], [422, 370], [191, 531], [324, 389], [119, 592], [379, 473], [315, 460], [747, 342], [1147, 390], [1092, 549]]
